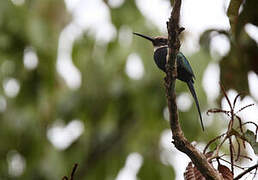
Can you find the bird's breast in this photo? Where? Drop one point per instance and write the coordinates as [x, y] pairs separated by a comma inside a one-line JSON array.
[[184, 71], [160, 55]]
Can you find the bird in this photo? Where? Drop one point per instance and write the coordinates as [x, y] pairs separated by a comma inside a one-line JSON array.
[[184, 69]]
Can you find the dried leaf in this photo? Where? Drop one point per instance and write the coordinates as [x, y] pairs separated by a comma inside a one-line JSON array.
[[225, 171], [192, 173]]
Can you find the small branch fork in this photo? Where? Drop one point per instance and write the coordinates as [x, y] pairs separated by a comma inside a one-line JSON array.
[[232, 132], [72, 174], [180, 142], [247, 171]]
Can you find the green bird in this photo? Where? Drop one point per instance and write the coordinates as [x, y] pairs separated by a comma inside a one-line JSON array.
[[184, 69]]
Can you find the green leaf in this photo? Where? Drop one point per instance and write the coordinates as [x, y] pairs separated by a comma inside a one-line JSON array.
[[249, 136], [251, 139], [255, 147]]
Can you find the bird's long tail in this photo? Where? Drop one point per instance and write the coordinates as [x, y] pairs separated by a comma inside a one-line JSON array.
[[191, 88]]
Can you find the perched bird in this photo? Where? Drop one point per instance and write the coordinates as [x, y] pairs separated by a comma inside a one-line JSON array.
[[184, 70]]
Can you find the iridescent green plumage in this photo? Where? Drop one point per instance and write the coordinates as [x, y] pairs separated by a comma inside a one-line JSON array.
[[183, 62], [184, 69]]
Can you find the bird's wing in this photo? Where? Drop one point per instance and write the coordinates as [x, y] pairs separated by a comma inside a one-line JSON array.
[[183, 62]]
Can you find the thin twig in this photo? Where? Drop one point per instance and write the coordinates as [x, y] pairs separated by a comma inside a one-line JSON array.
[[246, 171], [225, 94], [210, 142], [216, 110], [72, 174], [240, 123], [250, 122], [234, 103], [242, 156], [231, 149], [255, 173], [230, 163], [219, 146], [244, 108]]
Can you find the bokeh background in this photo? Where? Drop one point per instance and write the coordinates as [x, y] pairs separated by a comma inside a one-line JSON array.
[[77, 87]]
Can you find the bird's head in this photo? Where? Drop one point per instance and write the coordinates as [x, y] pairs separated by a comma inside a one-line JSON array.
[[156, 41]]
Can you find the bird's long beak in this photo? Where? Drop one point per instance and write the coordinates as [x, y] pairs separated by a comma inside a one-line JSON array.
[[143, 36]]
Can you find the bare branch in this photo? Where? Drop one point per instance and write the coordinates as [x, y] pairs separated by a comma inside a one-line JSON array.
[[235, 100], [211, 141], [72, 174], [246, 171], [244, 108], [181, 143], [231, 149]]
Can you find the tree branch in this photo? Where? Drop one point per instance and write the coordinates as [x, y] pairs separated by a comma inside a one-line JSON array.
[[246, 171], [179, 140]]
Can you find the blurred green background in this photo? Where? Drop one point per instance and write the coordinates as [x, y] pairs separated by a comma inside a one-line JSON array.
[[77, 87]]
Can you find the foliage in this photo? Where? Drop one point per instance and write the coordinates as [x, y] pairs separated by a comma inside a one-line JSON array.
[[251, 138], [238, 133], [243, 54]]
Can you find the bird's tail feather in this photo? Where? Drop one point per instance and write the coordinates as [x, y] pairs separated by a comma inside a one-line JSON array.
[[191, 88]]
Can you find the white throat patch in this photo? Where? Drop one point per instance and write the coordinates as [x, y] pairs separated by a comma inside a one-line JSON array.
[[157, 47]]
